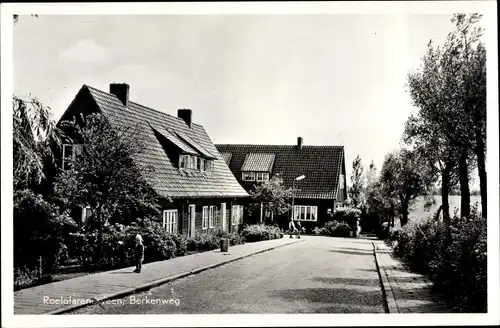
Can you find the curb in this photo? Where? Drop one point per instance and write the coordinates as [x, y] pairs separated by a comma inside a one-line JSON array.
[[386, 287], [161, 281]]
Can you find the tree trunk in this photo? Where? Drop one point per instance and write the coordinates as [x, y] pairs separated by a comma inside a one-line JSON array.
[[445, 188], [464, 185], [404, 213], [481, 166]]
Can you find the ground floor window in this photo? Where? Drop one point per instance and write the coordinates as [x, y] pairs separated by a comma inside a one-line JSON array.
[[170, 220], [236, 214], [305, 213], [204, 218], [211, 217]]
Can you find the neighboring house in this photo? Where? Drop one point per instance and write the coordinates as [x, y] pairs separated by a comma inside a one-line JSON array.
[[187, 166], [316, 196]]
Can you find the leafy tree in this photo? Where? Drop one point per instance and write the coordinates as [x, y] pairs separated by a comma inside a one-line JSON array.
[[450, 92], [357, 182], [104, 175], [273, 196], [35, 139], [403, 179]]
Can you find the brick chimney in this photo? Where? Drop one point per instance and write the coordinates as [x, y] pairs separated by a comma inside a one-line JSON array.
[[121, 90], [299, 142], [186, 115]]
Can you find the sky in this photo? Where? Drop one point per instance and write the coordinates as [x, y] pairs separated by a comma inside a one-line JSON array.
[[257, 79]]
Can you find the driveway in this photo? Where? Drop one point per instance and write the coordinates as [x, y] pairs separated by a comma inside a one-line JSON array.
[[319, 275]]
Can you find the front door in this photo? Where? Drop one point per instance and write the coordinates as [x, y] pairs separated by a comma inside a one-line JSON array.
[[191, 220], [223, 216]]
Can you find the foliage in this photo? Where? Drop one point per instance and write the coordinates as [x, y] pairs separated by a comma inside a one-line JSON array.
[[455, 258], [357, 183], [24, 278], [39, 230], [450, 91], [104, 175], [318, 231], [336, 229], [259, 232], [403, 179], [272, 194], [118, 243], [35, 136], [348, 215]]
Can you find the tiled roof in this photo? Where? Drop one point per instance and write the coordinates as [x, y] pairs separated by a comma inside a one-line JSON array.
[[259, 162], [321, 165], [227, 157], [169, 180]]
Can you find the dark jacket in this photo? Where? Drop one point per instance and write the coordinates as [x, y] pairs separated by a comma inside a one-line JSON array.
[[139, 251]]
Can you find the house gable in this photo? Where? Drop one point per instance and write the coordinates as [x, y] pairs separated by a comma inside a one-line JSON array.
[[164, 137], [321, 165]]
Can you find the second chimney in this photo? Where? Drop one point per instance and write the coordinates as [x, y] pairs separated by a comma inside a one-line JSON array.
[[186, 115], [120, 90], [299, 142]]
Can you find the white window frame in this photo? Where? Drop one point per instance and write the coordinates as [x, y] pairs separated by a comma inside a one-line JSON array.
[[204, 218], [183, 161], [261, 176], [236, 214], [309, 213], [171, 221], [193, 161], [251, 175], [211, 217], [76, 149]]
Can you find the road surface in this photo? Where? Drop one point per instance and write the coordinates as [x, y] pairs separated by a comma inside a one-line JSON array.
[[318, 275]]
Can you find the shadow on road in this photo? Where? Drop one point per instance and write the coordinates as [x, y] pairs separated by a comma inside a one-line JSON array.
[[349, 281], [338, 300], [351, 251]]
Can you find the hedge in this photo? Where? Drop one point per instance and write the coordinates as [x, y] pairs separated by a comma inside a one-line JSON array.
[[454, 258]]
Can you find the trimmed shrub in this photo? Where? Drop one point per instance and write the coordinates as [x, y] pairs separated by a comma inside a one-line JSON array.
[[181, 242], [329, 228], [341, 230], [259, 232], [317, 231], [203, 242]]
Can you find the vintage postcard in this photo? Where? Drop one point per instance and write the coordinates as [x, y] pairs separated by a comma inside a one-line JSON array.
[[250, 164]]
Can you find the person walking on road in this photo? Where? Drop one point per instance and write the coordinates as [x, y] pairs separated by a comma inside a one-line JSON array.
[[139, 253]]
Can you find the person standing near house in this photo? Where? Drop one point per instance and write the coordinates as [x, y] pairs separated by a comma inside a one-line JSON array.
[[299, 229], [139, 253], [291, 227]]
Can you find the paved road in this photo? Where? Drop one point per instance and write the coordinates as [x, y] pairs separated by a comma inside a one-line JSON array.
[[319, 275]]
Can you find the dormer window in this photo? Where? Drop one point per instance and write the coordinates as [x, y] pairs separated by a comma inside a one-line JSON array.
[[195, 163], [248, 176], [262, 176]]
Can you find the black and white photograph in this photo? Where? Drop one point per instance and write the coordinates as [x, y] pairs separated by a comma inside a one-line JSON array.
[[250, 164]]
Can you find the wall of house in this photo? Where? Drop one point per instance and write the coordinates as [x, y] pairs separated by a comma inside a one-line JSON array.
[[182, 206], [323, 206]]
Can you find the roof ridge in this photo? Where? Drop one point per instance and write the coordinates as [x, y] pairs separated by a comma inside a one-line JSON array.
[[140, 105], [274, 145]]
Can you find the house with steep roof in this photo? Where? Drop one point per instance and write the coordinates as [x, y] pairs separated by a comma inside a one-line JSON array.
[[316, 196], [197, 189]]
